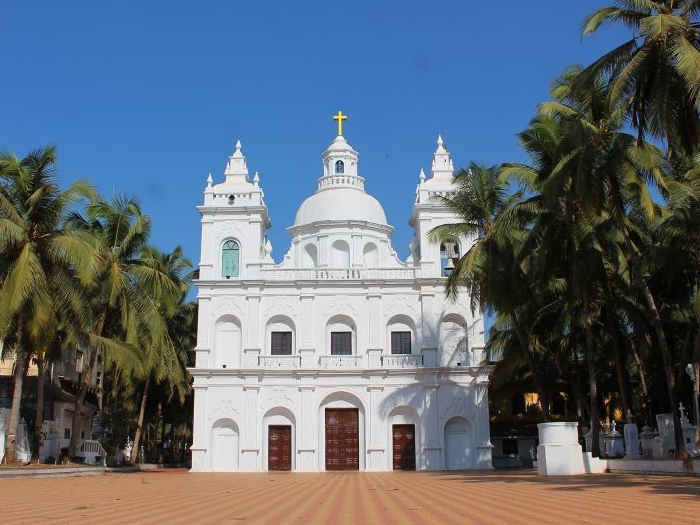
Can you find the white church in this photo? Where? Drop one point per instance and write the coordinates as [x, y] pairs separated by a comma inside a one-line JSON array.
[[341, 357]]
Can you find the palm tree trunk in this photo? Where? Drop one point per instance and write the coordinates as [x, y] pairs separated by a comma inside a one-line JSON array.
[[582, 411], [657, 327], [642, 381], [619, 368], [40, 376], [85, 384], [681, 452], [531, 364], [592, 379], [139, 424], [17, 387]]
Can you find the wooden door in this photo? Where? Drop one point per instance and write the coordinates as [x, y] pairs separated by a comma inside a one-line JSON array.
[[279, 448], [404, 449], [342, 439]]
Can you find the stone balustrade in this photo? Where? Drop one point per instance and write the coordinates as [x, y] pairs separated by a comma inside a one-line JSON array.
[[337, 274], [402, 360]]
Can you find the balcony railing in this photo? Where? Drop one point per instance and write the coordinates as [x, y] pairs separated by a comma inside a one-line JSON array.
[[340, 361], [279, 361], [402, 360], [339, 274]]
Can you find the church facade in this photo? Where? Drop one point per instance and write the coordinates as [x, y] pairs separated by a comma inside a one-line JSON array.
[[342, 356]]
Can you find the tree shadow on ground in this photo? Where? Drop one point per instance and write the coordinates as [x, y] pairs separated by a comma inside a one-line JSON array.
[[687, 486]]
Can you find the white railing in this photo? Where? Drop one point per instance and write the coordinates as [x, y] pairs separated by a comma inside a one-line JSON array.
[[402, 360], [340, 361], [343, 180], [90, 449], [339, 274], [279, 361]]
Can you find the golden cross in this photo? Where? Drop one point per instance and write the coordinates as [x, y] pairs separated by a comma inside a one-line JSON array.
[[340, 118]]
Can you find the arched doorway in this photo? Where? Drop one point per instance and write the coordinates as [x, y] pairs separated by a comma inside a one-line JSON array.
[[457, 444], [224, 446], [342, 433]]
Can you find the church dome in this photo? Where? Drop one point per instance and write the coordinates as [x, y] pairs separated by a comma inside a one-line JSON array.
[[340, 195], [340, 204]]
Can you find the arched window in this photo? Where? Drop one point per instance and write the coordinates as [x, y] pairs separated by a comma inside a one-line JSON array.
[[370, 255], [341, 335], [339, 166], [230, 257], [449, 255], [280, 335], [340, 254]]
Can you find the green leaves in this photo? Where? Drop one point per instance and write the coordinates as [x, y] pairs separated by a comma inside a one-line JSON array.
[[655, 77]]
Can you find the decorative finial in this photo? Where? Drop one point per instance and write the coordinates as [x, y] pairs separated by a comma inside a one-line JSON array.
[[238, 145], [440, 143], [209, 180], [422, 175], [340, 118]]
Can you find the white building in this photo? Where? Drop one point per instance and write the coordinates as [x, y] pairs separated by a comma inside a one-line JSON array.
[[341, 357]]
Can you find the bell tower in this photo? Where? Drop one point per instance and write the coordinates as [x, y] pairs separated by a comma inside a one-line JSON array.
[[435, 259], [234, 224]]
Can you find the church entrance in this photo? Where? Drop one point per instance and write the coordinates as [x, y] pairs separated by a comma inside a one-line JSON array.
[[342, 439], [279, 447], [404, 448]]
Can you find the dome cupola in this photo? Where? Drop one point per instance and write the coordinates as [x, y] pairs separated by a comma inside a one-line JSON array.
[[340, 193]]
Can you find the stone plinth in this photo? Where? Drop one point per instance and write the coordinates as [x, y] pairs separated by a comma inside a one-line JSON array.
[[631, 441], [559, 452]]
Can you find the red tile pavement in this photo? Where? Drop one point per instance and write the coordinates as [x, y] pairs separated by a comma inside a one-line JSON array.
[[514, 497]]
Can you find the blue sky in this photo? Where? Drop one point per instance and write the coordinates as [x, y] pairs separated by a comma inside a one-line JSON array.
[[147, 98]]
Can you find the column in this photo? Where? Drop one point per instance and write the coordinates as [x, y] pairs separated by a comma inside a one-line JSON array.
[[376, 449], [376, 331], [429, 328], [356, 251], [203, 349], [251, 329], [200, 433], [254, 239], [307, 434], [484, 447], [206, 258], [323, 251], [427, 250], [251, 446], [430, 425], [306, 345]]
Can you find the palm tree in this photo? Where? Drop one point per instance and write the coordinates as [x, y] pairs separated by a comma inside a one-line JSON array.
[[496, 280], [617, 168], [119, 293], [161, 362], [42, 261], [655, 75]]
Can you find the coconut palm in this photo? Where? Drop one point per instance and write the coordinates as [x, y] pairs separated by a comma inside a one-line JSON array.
[[120, 292], [41, 261], [489, 269], [655, 75], [615, 169], [161, 362]]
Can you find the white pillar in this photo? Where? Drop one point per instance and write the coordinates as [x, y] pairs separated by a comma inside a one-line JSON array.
[[306, 434], [430, 426], [200, 433], [376, 449], [251, 445]]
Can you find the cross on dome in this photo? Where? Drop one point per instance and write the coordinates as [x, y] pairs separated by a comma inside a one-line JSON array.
[[340, 118]]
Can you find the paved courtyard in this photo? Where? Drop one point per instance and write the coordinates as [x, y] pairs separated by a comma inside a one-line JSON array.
[[179, 497]]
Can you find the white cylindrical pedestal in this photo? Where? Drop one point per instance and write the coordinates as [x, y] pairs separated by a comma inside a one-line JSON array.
[[559, 452]]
